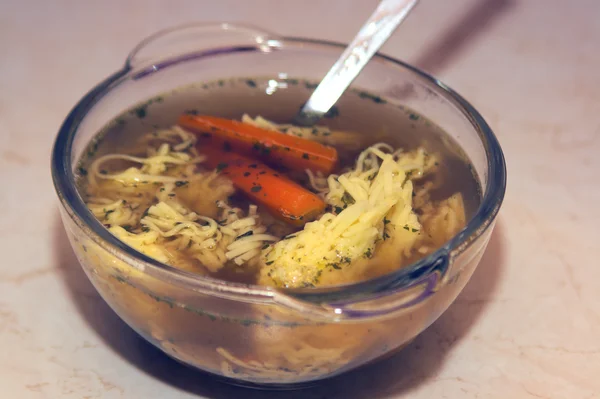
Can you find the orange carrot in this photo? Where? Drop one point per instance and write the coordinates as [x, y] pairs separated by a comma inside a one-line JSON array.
[[275, 147], [284, 198]]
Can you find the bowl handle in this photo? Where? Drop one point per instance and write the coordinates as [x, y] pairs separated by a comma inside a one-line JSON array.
[[393, 296], [197, 38]]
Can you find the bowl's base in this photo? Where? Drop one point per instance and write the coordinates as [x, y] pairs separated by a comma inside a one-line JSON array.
[[293, 386]]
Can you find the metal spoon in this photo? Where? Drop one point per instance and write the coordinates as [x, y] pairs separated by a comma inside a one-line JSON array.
[[378, 28]]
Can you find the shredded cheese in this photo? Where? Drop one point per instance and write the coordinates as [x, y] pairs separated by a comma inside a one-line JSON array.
[[370, 203]]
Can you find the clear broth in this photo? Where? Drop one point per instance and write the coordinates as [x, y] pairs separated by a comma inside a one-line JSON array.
[[374, 118]]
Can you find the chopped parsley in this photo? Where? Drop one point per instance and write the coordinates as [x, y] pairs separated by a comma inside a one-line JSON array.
[[256, 188], [246, 234], [141, 111], [181, 183], [221, 166], [347, 199], [374, 98], [83, 172], [305, 156], [333, 112]]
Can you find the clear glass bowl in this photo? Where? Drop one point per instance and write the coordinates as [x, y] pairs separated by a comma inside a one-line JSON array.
[[260, 336]]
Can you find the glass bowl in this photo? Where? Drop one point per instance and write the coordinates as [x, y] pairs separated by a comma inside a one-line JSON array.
[[252, 335]]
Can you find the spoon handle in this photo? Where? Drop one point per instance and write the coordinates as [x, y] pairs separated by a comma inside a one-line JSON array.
[[378, 28]]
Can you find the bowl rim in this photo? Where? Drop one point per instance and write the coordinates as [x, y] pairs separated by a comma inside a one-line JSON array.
[[393, 282]]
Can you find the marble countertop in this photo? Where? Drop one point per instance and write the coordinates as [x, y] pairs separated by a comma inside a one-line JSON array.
[[526, 326]]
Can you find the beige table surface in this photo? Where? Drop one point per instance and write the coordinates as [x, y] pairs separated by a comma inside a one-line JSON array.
[[526, 326]]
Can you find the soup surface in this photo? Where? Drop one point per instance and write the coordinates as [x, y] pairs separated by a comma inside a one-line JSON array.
[[212, 179]]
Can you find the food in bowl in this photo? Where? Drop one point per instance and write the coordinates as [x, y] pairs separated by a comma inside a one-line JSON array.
[[152, 238], [279, 205], [248, 200]]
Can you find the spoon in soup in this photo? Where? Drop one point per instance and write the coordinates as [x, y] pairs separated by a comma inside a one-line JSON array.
[[372, 35]]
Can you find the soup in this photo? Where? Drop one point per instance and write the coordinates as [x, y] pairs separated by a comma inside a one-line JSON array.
[[228, 188], [385, 187]]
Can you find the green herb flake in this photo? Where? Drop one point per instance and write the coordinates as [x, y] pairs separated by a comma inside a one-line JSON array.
[[181, 183], [305, 156], [141, 112], [221, 166], [256, 188], [226, 146], [269, 263], [332, 113], [246, 174], [83, 172], [246, 234], [251, 83], [347, 199], [413, 117]]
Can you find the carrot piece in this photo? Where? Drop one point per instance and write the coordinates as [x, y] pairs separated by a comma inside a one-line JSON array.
[[292, 152], [283, 197]]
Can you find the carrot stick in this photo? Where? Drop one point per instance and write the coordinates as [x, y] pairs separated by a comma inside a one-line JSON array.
[[289, 151], [284, 198]]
